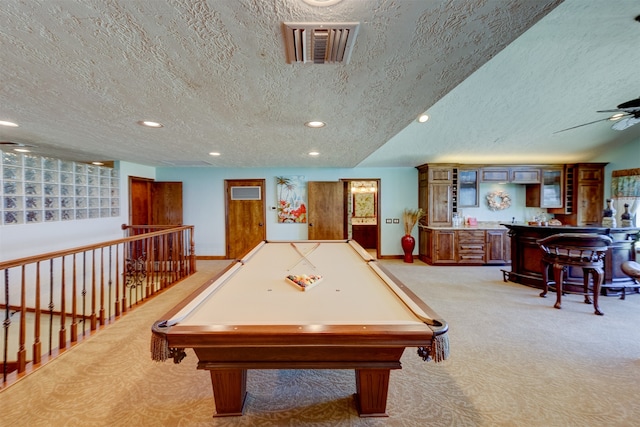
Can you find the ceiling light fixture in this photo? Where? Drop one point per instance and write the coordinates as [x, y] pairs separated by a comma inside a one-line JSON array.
[[617, 116], [321, 3], [8, 124], [423, 118], [214, 153], [21, 150], [97, 163], [150, 124], [314, 153], [315, 124]]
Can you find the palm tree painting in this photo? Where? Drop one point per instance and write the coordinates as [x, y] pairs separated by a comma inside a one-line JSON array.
[[291, 192]]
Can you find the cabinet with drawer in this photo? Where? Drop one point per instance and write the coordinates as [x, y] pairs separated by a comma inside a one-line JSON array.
[[450, 246], [471, 246]]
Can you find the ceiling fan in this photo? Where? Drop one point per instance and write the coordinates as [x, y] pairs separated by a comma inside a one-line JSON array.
[[626, 115]]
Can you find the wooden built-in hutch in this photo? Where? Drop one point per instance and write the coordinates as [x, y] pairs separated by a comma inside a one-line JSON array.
[[574, 193]]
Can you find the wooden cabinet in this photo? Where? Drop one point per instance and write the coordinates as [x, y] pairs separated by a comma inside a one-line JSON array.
[[512, 174], [439, 208], [425, 244], [590, 194], [436, 189], [468, 188], [549, 192], [494, 174], [584, 200], [524, 175], [437, 246], [366, 235], [498, 247], [444, 247], [464, 246]]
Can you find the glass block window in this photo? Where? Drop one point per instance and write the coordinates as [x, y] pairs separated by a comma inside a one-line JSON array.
[[35, 189]]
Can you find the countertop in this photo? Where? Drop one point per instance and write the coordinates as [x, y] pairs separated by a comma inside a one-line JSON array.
[[482, 225], [572, 228]]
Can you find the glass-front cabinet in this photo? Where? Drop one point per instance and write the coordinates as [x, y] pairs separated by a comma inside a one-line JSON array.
[[549, 193], [551, 184], [468, 188]]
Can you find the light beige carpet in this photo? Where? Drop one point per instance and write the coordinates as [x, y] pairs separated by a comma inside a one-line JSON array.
[[515, 361]]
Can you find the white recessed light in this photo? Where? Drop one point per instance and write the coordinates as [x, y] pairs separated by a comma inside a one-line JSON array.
[[423, 118], [9, 124], [314, 153], [97, 163], [321, 3], [214, 153], [150, 124], [21, 150], [617, 116], [315, 124]]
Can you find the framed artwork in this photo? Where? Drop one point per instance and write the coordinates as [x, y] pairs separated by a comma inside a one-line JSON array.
[[364, 205], [291, 192]]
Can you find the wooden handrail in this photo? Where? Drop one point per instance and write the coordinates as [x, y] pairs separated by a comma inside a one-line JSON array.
[[82, 288], [44, 257]]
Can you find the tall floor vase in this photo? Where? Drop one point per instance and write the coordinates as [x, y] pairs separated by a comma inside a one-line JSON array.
[[408, 244]]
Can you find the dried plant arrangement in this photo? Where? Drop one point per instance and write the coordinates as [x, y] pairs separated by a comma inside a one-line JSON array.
[[410, 217]]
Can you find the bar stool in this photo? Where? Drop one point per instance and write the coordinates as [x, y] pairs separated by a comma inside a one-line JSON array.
[[580, 250], [631, 269]]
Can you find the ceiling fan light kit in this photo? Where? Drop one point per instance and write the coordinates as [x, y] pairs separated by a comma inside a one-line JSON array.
[[626, 115]]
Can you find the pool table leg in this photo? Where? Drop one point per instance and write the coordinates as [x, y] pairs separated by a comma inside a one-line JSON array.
[[229, 391], [372, 386]]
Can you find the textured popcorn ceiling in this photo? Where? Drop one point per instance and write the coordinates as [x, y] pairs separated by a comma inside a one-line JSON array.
[[78, 75]]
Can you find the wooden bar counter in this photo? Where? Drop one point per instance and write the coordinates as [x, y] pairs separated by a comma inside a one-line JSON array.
[[526, 256]]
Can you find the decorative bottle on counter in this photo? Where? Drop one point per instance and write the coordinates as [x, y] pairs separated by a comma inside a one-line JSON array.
[[608, 218], [625, 217]]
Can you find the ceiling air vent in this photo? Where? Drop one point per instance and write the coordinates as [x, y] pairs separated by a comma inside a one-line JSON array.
[[319, 42]]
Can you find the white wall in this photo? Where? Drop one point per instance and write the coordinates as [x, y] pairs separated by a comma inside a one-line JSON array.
[[203, 201]]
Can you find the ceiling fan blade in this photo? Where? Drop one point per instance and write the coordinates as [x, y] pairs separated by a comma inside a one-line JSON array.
[[618, 110], [625, 123], [584, 124], [634, 104]]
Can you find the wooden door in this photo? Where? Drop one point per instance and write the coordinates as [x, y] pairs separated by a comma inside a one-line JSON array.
[[245, 215], [140, 201], [154, 202], [166, 203], [326, 210]]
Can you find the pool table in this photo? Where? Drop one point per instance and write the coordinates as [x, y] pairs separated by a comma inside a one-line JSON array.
[[358, 316]]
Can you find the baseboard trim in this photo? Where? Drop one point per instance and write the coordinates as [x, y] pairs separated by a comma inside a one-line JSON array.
[[390, 257]]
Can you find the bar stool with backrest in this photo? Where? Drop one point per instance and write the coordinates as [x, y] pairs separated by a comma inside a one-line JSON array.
[[631, 269], [579, 250]]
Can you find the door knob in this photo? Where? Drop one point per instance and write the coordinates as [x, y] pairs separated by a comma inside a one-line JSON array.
[[310, 224], [260, 224]]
